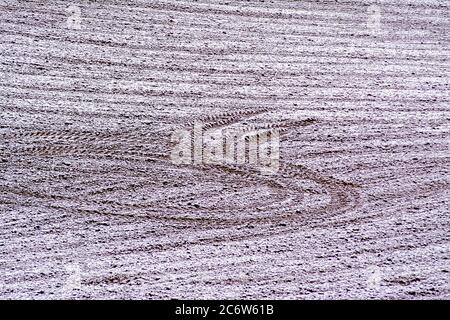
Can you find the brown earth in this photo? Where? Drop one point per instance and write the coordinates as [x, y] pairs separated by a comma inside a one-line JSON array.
[[91, 205]]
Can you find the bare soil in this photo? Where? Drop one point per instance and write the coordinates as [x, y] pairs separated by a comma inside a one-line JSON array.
[[91, 207]]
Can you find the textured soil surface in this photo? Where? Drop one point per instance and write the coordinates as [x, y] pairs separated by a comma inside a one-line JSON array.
[[91, 205]]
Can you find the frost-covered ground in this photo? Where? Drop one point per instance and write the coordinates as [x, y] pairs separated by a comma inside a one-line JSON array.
[[91, 205]]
